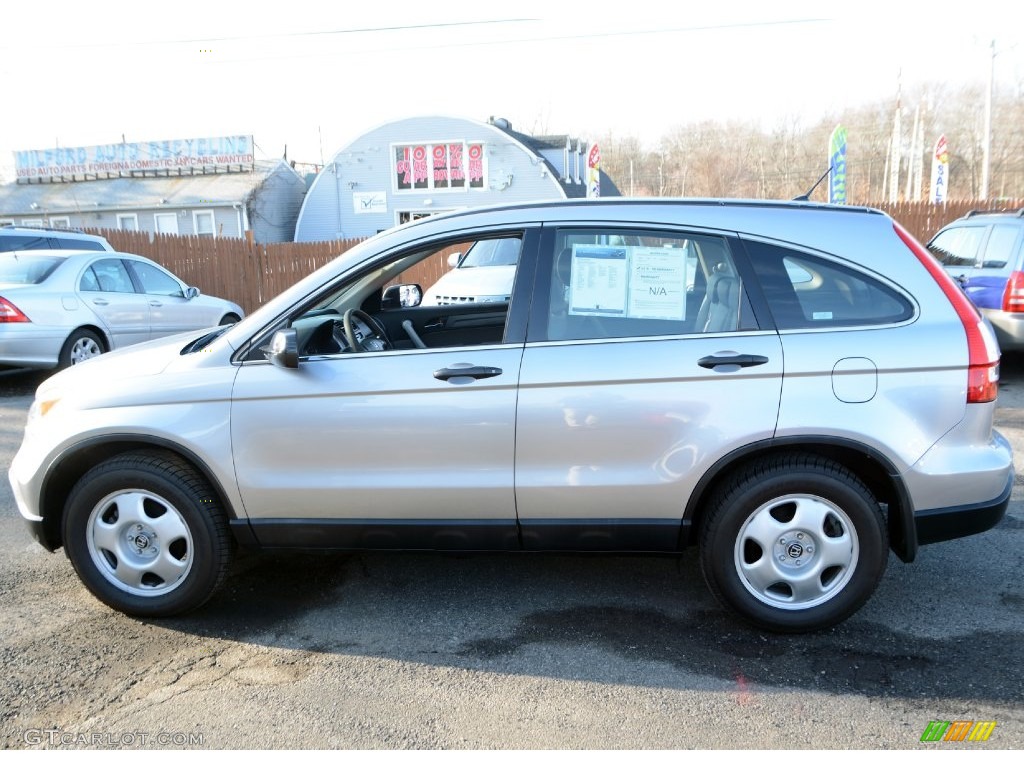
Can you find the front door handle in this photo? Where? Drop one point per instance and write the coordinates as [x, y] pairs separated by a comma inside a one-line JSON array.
[[741, 361], [460, 370]]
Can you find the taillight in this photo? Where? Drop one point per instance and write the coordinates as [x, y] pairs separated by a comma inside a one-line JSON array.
[[10, 313], [982, 350], [1013, 296]]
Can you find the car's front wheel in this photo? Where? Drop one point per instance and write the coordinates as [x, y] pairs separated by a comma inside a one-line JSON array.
[[146, 534], [794, 543]]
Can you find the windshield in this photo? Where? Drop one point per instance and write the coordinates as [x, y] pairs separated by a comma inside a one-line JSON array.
[[26, 269], [492, 253]]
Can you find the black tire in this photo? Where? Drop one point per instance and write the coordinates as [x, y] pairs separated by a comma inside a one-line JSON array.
[[229, 319], [146, 535], [81, 345], [793, 543]]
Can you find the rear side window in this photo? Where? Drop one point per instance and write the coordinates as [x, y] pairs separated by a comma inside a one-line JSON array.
[[78, 245], [957, 247], [108, 275], [24, 242], [805, 291], [605, 283]]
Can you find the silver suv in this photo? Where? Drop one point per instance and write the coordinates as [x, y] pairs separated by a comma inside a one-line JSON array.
[[793, 388], [40, 238]]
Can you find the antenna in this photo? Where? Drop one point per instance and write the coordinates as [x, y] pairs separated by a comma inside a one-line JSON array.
[[806, 196]]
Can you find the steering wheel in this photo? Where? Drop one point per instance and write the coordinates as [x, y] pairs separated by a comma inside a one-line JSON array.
[[375, 328]]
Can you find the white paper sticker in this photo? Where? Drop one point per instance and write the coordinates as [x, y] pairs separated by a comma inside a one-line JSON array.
[[599, 281], [657, 284]]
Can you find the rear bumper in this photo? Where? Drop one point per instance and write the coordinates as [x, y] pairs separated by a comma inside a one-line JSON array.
[[25, 345], [1009, 328], [943, 524]]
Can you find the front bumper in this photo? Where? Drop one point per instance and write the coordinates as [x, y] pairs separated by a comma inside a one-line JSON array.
[[28, 512]]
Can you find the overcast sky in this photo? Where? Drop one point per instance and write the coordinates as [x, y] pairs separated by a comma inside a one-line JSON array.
[[316, 75]]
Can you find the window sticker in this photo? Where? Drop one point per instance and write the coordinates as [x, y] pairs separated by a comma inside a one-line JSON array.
[[657, 284], [628, 281], [598, 286]]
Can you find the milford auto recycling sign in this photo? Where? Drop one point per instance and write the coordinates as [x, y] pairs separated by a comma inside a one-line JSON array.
[[176, 154]]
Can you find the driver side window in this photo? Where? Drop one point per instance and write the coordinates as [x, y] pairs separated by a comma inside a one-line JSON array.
[[450, 294]]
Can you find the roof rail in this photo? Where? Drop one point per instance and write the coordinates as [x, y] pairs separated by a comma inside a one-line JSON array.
[[979, 212], [33, 228]]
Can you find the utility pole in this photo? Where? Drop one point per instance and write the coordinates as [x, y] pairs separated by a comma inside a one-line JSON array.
[[986, 146]]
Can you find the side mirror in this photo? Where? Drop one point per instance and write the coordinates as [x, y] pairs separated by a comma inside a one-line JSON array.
[[399, 296], [284, 348], [191, 293], [454, 259]]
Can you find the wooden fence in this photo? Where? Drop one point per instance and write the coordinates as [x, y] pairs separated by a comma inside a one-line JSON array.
[[247, 273], [923, 220], [251, 273]]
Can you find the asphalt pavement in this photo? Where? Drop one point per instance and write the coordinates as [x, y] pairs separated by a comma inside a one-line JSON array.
[[397, 651]]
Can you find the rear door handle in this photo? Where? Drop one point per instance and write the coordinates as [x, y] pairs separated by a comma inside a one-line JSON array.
[[740, 361], [100, 302], [460, 370]]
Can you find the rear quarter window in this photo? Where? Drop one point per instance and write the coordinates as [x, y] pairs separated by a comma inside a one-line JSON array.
[[805, 291], [1002, 247]]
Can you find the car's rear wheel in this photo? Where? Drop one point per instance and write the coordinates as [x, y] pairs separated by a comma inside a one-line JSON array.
[[80, 346], [146, 534], [794, 543]]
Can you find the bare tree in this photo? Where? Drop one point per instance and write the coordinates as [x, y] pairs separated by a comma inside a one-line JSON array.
[[712, 159]]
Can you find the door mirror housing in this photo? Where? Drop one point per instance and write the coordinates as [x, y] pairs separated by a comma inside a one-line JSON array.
[[284, 348]]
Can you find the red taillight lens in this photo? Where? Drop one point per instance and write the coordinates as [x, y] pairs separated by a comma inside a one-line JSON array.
[[982, 350], [10, 313], [1013, 296]]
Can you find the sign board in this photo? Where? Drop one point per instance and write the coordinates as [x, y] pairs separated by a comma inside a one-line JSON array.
[[171, 155], [940, 171], [369, 202]]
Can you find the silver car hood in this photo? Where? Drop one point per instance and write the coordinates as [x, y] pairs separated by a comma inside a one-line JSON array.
[[137, 361]]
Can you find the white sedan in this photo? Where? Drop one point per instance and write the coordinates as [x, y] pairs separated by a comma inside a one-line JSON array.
[[58, 308]]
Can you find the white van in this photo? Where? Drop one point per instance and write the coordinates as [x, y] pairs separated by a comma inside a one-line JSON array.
[[483, 274]]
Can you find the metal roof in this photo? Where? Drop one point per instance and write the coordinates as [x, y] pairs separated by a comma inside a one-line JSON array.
[[547, 148], [130, 193]]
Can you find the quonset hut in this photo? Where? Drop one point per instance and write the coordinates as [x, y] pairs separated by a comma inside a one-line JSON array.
[[420, 166]]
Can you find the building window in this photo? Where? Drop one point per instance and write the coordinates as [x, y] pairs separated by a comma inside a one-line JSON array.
[[404, 217], [128, 221], [60, 222], [37, 223], [202, 221], [166, 223], [6, 222], [451, 165]]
